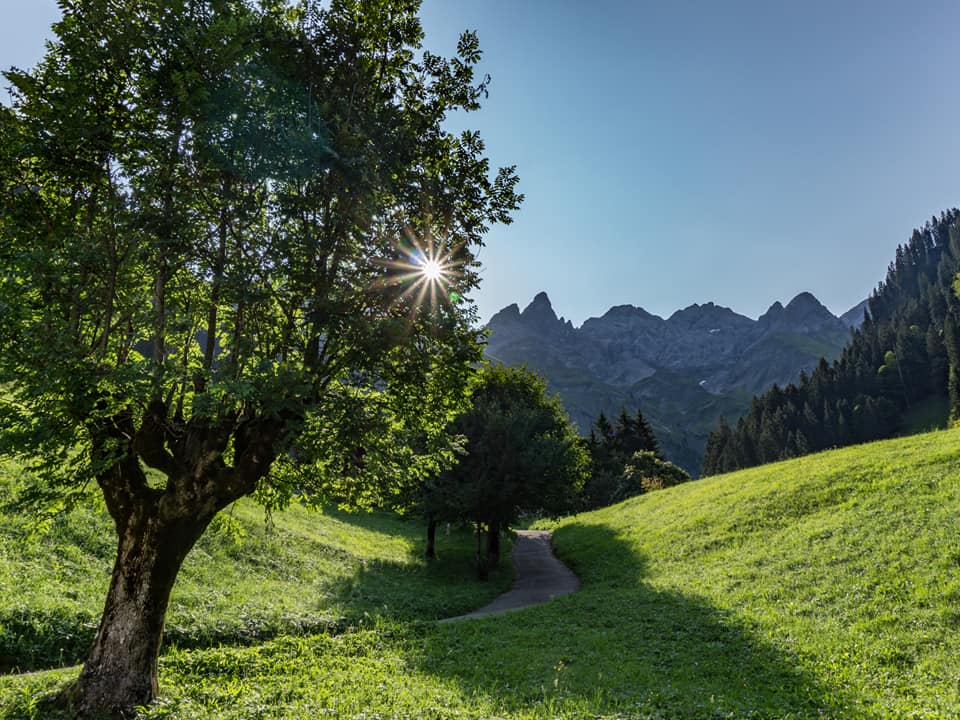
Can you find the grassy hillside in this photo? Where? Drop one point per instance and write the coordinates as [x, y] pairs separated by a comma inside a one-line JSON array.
[[827, 586], [841, 570], [247, 580]]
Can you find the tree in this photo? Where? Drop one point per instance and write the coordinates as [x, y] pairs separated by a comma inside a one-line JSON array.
[[521, 454], [719, 456], [633, 434], [611, 448], [215, 216], [951, 339]]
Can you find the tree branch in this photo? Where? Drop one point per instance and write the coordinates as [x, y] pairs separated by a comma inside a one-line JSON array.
[[151, 440]]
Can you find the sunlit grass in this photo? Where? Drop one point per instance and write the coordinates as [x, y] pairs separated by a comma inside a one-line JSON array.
[[845, 565]]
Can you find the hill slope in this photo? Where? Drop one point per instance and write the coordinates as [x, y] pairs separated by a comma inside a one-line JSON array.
[[826, 586], [844, 566]]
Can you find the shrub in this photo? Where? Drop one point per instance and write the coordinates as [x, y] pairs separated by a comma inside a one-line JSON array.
[[645, 472]]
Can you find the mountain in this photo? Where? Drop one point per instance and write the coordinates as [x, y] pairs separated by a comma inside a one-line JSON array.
[[898, 373], [854, 316], [684, 372]]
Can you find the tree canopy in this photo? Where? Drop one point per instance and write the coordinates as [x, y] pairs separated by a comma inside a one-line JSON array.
[[215, 216], [611, 447], [521, 454]]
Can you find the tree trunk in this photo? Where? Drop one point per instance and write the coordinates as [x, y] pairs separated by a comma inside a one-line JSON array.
[[121, 671], [431, 552], [493, 543], [482, 570], [155, 531]]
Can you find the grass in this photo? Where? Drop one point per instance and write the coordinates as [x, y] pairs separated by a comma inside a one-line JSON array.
[[842, 568], [827, 586], [244, 582]]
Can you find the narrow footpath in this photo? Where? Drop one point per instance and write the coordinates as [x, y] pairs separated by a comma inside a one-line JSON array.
[[540, 577]]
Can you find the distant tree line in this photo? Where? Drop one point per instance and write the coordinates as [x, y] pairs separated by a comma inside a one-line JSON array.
[[906, 352]]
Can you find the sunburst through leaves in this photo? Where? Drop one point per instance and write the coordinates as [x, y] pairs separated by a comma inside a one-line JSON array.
[[424, 272]]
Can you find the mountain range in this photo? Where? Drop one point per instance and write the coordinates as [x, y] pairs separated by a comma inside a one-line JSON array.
[[683, 372]]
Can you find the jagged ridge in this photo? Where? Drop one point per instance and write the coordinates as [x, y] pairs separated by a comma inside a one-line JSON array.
[[684, 371]]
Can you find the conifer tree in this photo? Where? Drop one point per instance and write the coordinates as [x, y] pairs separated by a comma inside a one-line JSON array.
[[611, 447]]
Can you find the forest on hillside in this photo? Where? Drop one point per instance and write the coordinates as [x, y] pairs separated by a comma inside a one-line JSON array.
[[904, 357]]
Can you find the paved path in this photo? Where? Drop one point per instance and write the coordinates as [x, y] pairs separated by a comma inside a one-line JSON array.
[[540, 577]]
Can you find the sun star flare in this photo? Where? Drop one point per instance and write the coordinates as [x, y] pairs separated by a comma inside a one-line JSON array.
[[424, 270], [432, 270]]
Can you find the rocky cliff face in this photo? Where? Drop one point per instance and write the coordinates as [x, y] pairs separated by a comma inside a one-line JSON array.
[[683, 372]]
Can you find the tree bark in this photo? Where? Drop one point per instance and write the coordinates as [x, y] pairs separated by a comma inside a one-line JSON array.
[[431, 552], [121, 671], [493, 543], [155, 531], [482, 570]]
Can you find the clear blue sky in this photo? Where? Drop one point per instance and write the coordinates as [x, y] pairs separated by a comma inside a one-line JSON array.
[[680, 152]]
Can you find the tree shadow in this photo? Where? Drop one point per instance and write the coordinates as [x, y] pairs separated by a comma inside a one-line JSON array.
[[617, 648], [42, 639], [619, 645], [421, 590]]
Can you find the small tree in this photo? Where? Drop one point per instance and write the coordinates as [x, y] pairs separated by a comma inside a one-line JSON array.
[[215, 220], [521, 455]]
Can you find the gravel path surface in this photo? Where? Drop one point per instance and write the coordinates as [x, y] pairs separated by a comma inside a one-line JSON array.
[[540, 577]]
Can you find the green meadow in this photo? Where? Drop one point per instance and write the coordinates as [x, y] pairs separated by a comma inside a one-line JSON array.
[[827, 586]]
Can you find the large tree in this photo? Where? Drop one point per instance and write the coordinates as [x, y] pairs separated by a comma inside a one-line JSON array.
[[217, 222], [521, 454]]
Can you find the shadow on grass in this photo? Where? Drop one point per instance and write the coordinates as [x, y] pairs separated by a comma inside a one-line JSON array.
[[437, 589], [620, 646]]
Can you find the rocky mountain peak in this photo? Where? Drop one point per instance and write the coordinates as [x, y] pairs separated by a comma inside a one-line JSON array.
[[618, 320], [708, 316], [773, 312], [540, 306], [623, 315], [853, 318], [805, 309], [537, 318], [539, 313], [627, 311], [510, 312], [804, 313], [806, 302]]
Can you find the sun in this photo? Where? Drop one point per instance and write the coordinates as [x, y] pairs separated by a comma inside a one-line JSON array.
[[424, 272], [432, 270]]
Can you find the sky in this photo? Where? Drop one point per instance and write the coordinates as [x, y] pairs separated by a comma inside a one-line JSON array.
[[682, 152]]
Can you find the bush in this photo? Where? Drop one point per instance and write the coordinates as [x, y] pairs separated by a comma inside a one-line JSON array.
[[645, 472]]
